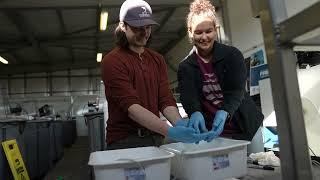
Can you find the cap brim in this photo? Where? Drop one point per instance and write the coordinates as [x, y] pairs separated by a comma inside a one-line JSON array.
[[143, 22]]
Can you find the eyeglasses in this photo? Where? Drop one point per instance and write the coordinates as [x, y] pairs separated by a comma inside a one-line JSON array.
[[139, 29]]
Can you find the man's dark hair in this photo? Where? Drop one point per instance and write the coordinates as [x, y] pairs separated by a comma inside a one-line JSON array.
[[121, 39]]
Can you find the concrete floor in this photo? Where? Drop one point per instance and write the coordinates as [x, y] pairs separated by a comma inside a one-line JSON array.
[[74, 164]]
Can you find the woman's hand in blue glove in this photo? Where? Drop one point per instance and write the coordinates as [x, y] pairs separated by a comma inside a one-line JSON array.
[[185, 134], [197, 122], [218, 125]]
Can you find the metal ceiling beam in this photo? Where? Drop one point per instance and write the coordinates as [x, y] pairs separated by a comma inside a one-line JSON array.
[[168, 46], [98, 13], [74, 47], [61, 22], [62, 4], [6, 44], [94, 27], [22, 27], [81, 7], [102, 35], [37, 68], [26, 31], [226, 21], [165, 19], [290, 31], [16, 58], [13, 45], [9, 50], [78, 31], [63, 31], [182, 32]]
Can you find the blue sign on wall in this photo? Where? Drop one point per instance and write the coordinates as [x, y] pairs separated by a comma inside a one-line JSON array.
[[257, 73]]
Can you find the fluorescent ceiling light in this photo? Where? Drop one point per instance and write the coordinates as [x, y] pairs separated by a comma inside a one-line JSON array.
[[103, 20], [3, 60], [99, 57], [306, 48]]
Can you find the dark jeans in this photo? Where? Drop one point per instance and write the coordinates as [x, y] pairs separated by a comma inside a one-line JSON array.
[[133, 141]]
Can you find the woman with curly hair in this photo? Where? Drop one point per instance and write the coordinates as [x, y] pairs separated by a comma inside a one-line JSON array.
[[211, 80]]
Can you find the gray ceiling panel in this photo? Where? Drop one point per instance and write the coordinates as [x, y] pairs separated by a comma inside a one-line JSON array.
[[79, 19], [58, 53], [30, 55], [44, 23], [86, 32], [178, 18], [159, 16], [7, 29], [83, 55]]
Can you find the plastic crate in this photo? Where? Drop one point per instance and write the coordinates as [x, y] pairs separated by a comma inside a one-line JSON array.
[[147, 163], [220, 159]]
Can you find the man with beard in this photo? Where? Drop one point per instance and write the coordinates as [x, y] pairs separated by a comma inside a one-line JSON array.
[[137, 87]]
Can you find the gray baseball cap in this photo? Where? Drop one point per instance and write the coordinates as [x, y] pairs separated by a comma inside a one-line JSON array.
[[136, 13]]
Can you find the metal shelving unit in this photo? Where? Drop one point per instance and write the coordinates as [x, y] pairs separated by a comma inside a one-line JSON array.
[[281, 34]]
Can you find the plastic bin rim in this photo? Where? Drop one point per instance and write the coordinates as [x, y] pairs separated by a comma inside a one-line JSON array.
[[12, 120], [124, 161], [244, 143], [93, 113]]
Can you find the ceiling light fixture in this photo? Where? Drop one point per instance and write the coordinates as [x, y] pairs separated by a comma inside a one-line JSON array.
[[306, 48], [3, 60], [103, 20], [99, 57]]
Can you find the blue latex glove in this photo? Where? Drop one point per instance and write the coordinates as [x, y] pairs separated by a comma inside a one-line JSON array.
[[218, 125], [185, 134], [197, 122], [182, 122]]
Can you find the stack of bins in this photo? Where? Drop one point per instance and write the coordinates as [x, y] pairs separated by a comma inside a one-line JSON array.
[[10, 129], [52, 143], [69, 132], [96, 130], [31, 140], [44, 145], [38, 146], [56, 136], [74, 130]]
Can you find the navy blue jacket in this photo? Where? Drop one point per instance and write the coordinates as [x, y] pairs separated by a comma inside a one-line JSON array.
[[230, 69]]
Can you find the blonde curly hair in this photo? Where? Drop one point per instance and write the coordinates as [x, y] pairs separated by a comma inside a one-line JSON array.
[[201, 7]]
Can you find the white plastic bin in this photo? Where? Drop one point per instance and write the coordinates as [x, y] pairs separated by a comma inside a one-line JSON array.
[[220, 159], [144, 163]]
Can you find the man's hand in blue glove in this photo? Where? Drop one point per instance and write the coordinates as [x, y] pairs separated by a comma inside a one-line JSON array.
[[197, 122], [218, 124], [185, 134]]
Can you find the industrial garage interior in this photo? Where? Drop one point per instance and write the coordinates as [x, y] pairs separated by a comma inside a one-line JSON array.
[[52, 98]]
